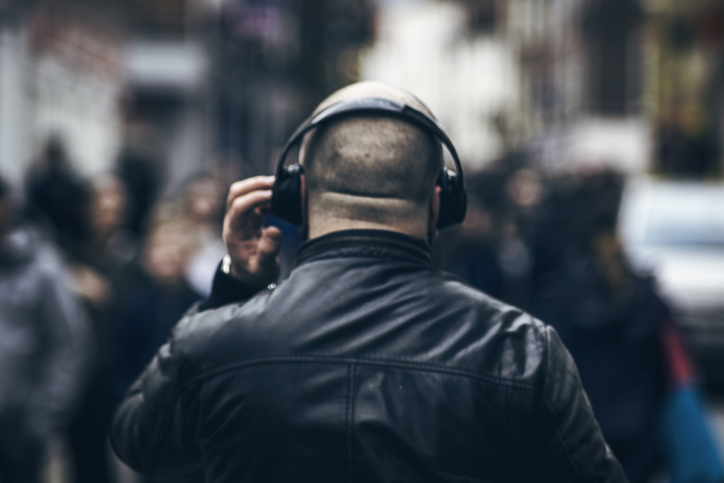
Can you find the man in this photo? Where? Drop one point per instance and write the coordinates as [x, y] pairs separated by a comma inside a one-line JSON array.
[[43, 347], [367, 363]]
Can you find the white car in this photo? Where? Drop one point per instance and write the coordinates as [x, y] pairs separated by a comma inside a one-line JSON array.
[[675, 231]]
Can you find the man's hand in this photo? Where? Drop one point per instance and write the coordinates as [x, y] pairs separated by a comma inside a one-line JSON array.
[[253, 249]]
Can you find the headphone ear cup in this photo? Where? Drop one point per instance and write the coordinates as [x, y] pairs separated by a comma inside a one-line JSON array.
[[287, 195], [453, 199]]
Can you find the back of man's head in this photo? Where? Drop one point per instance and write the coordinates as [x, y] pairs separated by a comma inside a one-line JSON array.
[[371, 167]]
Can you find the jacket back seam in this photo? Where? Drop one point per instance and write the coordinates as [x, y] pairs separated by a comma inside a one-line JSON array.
[[349, 417]]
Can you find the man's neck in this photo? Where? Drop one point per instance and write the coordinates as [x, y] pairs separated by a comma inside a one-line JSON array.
[[324, 227]]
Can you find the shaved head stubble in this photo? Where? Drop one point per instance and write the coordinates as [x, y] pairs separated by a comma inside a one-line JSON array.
[[373, 169]]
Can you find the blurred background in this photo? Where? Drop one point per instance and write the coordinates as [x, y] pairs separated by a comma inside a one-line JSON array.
[[590, 130]]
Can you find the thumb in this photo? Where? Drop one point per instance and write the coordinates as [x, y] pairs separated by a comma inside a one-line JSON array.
[[270, 243]]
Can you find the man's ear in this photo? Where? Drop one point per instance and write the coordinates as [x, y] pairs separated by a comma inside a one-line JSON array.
[[434, 214]]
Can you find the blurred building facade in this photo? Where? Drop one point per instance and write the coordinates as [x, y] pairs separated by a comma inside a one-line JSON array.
[[274, 60], [578, 81], [180, 84], [466, 71], [685, 85], [174, 84], [59, 75]]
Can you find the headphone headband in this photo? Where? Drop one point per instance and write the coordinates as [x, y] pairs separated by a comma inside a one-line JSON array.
[[372, 105], [288, 192]]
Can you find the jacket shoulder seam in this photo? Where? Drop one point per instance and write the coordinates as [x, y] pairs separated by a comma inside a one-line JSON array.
[[396, 363]]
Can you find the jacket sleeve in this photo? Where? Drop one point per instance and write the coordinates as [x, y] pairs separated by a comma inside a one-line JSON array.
[[225, 290], [150, 431], [574, 449]]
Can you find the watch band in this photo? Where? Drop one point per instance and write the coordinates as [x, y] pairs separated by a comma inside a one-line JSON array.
[[226, 264]]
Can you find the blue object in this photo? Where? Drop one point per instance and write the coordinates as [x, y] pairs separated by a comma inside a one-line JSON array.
[[688, 447]]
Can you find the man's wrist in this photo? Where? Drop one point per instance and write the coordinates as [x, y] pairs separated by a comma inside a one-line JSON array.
[[227, 288]]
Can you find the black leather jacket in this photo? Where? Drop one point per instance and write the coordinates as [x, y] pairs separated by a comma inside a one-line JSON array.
[[367, 365]]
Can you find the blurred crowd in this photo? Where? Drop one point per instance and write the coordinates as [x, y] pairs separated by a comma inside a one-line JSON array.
[[95, 273], [548, 244]]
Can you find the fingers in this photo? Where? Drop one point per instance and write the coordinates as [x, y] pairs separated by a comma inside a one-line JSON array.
[[269, 244], [245, 203], [253, 249], [243, 187], [255, 262]]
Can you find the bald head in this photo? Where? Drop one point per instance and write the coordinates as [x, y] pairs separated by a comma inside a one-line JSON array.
[[371, 168], [373, 89]]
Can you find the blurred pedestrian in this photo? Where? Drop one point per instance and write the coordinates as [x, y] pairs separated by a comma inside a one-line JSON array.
[[58, 197], [523, 191], [43, 344], [492, 250], [610, 319], [110, 244], [470, 251], [98, 274], [202, 205], [156, 295], [153, 302], [141, 175]]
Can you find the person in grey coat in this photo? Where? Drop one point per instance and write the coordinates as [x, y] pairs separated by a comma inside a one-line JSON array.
[[42, 346]]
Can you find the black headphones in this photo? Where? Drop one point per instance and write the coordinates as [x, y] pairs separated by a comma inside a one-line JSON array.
[[288, 190]]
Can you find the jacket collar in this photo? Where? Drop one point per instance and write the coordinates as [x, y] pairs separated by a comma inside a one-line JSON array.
[[372, 243]]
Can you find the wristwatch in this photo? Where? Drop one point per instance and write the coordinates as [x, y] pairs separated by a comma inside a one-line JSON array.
[[226, 264], [226, 268]]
